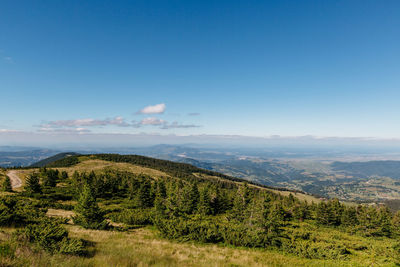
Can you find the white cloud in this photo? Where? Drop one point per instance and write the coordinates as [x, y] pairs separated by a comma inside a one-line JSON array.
[[176, 125], [78, 125], [8, 131], [156, 109], [64, 130], [119, 121], [152, 121]]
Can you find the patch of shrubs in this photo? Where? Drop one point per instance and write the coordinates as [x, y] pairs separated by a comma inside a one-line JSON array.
[[315, 250], [132, 217], [19, 211], [195, 228], [51, 236]]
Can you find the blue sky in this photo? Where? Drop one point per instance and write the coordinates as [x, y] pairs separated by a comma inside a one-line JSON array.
[[251, 68]]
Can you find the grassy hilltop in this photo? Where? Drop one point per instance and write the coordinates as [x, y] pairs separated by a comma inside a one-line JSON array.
[[113, 210]]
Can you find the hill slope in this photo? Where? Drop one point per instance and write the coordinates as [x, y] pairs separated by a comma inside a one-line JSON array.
[[158, 206], [54, 158], [176, 169]]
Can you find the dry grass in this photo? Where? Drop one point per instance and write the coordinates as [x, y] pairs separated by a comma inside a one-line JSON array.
[[141, 247], [97, 165], [60, 213], [22, 174]]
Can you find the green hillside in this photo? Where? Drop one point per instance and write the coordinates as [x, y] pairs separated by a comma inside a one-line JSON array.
[[54, 158], [113, 210]]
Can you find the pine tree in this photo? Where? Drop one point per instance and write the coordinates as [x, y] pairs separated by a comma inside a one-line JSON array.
[[88, 212], [49, 177], [7, 185], [172, 199], [143, 197], [385, 217], [204, 206], [322, 213], [159, 200], [335, 210], [64, 175], [396, 223], [191, 199], [32, 184], [240, 202], [217, 202], [349, 217], [274, 215]]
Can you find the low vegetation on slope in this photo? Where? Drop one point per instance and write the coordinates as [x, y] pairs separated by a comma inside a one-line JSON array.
[[124, 217]]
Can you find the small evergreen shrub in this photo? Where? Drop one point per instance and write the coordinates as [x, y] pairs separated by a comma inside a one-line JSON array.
[[51, 236]]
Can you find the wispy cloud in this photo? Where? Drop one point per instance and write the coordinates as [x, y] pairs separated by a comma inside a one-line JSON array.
[[176, 125], [118, 121], [152, 121], [64, 130], [78, 125], [194, 114], [156, 109], [8, 131], [8, 60]]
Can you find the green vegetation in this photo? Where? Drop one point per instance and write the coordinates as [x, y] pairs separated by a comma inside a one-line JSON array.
[[89, 214], [206, 211], [6, 186]]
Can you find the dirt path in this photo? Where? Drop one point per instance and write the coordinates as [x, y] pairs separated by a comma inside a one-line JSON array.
[[15, 180]]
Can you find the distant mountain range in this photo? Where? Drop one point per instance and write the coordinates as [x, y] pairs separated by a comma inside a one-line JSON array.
[[12, 156]]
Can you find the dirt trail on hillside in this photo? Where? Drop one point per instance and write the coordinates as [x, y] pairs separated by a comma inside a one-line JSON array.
[[15, 180]]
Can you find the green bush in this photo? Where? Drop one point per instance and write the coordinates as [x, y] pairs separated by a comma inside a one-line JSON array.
[[133, 217], [7, 250], [51, 236], [196, 228], [18, 211], [315, 250], [6, 186]]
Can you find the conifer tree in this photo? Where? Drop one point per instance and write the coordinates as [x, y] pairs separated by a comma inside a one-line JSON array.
[[240, 202], [335, 210], [204, 206], [396, 224], [49, 177], [216, 202], [322, 213], [32, 184], [349, 217], [64, 175], [191, 199], [143, 197], [88, 212], [159, 200], [274, 215], [172, 199], [385, 217], [6, 187]]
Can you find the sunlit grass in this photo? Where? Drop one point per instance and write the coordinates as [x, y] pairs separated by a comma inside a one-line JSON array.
[[143, 247]]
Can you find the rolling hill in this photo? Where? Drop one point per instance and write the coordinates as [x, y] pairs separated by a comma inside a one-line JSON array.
[[129, 210]]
